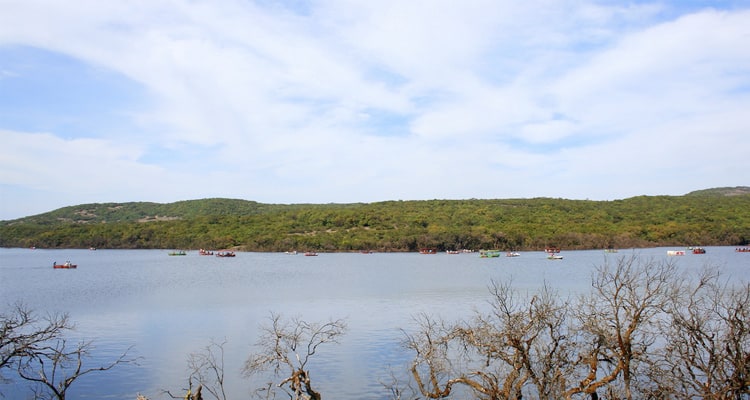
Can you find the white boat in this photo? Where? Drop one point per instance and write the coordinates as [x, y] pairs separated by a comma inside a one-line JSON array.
[[554, 257], [512, 254], [675, 252]]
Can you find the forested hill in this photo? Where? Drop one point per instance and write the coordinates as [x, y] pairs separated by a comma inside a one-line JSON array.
[[719, 216]]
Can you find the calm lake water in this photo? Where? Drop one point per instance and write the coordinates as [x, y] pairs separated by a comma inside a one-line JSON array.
[[168, 307]]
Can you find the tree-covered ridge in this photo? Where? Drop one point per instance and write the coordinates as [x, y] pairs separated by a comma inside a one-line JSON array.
[[519, 224], [723, 191]]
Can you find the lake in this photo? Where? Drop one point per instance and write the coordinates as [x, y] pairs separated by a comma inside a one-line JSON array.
[[167, 307]]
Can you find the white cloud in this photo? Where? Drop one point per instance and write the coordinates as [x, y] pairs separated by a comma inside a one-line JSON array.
[[372, 101]]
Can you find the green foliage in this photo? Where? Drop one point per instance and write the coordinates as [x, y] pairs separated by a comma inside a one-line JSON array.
[[712, 217]]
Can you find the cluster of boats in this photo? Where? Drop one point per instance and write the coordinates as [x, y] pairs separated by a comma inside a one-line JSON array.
[[694, 250], [553, 253], [204, 252]]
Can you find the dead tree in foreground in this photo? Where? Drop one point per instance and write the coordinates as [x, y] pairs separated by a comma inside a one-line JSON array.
[[521, 345], [207, 372], [37, 349], [617, 324], [708, 336], [56, 367], [286, 347], [540, 347], [23, 333]]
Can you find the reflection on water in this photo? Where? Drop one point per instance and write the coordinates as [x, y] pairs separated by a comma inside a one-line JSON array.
[[168, 307]]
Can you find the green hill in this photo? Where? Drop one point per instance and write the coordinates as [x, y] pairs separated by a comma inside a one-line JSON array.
[[718, 216]]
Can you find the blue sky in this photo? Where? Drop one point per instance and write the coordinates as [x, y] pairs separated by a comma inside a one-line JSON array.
[[358, 101]]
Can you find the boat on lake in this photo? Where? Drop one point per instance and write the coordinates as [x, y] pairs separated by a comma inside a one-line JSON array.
[[512, 254], [489, 253], [553, 256], [675, 252], [225, 253], [178, 253], [551, 250], [204, 252], [66, 265], [699, 250], [311, 254], [742, 249], [427, 251]]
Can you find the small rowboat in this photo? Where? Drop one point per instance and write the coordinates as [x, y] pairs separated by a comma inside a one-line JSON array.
[[67, 265]]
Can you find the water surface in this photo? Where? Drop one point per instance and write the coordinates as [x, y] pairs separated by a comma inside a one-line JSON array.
[[167, 307]]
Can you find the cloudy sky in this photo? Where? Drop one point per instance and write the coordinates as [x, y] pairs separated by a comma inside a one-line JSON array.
[[337, 101]]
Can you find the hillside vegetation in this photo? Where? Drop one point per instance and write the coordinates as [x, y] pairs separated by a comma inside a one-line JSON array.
[[708, 217]]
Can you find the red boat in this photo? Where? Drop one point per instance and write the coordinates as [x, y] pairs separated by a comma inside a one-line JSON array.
[[551, 250], [67, 265], [699, 250]]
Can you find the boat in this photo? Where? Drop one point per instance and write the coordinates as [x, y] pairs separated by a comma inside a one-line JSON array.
[[67, 265], [675, 252], [551, 250], [553, 256], [699, 250], [291, 252], [610, 250], [178, 253], [204, 252], [311, 253], [427, 251], [224, 253], [742, 249], [452, 252], [489, 253], [512, 254]]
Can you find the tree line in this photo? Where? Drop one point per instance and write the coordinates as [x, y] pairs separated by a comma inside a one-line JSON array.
[[513, 224], [642, 332]]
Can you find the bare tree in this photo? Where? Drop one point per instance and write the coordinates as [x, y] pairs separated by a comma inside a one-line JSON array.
[[528, 340], [642, 332], [286, 347], [207, 368], [520, 346], [23, 333], [432, 368], [207, 372], [55, 367], [617, 323], [707, 351]]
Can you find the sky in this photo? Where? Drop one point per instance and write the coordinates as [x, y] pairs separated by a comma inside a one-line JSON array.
[[345, 101]]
